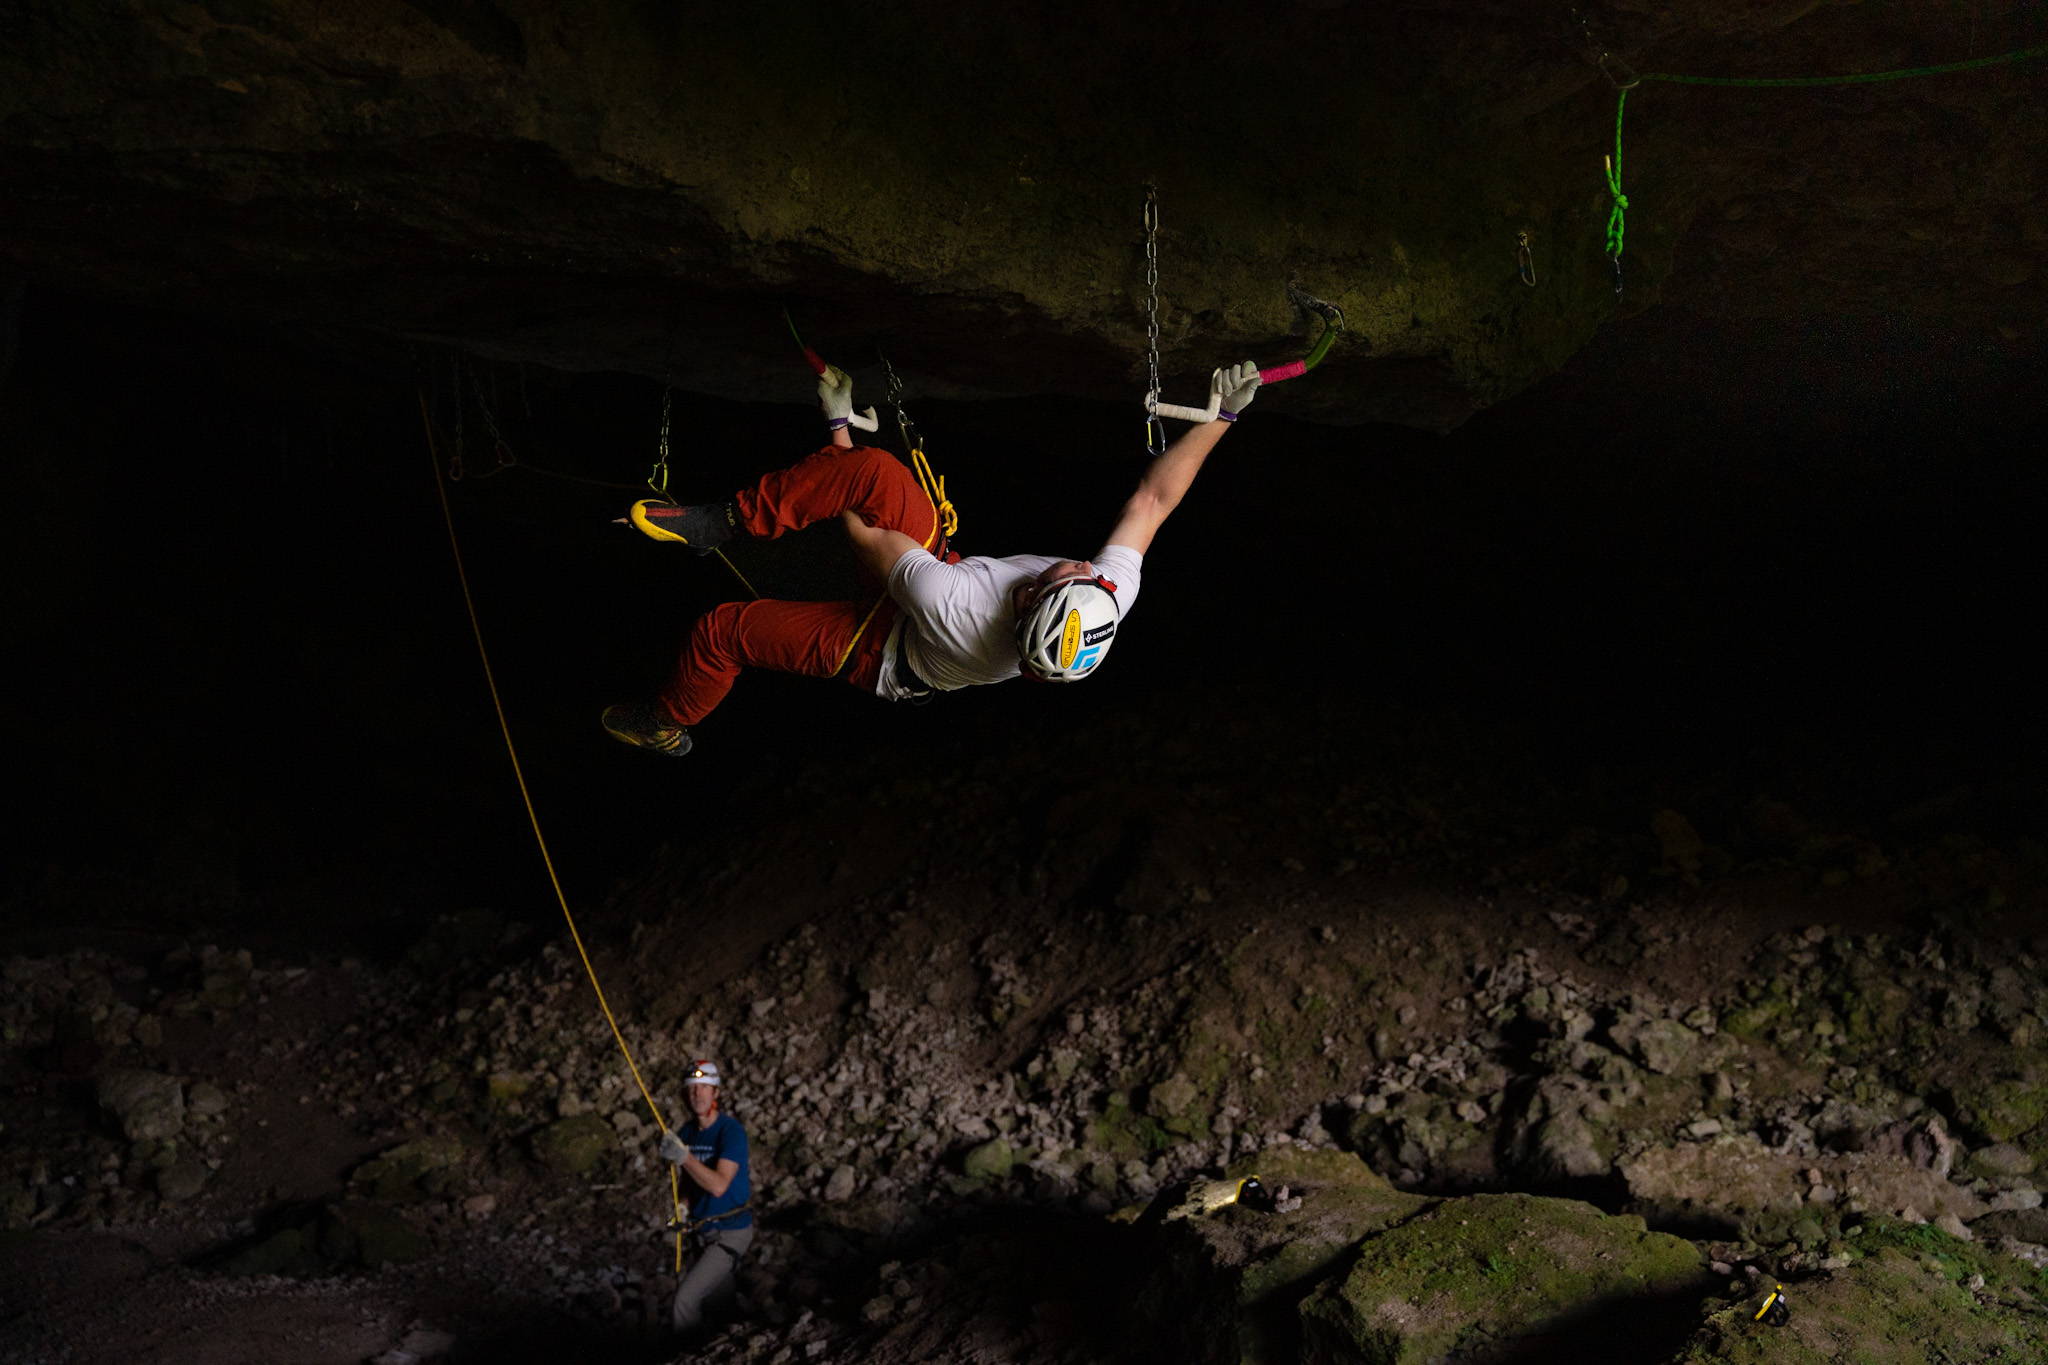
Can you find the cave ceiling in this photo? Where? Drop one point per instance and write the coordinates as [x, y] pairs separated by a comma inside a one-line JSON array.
[[642, 187]]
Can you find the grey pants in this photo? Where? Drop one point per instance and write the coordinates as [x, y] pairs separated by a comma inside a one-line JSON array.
[[709, 1284]]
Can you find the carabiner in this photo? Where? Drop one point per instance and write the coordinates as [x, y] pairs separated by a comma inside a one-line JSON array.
[[1524, 265], [1609, 63]]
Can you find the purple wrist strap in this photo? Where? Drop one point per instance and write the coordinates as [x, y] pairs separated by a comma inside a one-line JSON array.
[[838, 423], [1226, 416]]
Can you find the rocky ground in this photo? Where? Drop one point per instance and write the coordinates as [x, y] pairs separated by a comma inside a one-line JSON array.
[[1527, 1085]]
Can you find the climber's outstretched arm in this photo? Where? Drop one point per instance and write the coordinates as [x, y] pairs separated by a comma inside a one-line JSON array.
[[1168, 478]]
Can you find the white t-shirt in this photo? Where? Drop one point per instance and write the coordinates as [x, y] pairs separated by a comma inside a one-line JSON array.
[[966, 630]]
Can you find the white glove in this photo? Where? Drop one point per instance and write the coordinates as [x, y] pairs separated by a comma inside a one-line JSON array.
[[672, 1149], [835, 395], [1238, 385]]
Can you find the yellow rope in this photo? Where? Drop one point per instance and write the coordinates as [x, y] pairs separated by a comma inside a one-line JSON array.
[[935, 489], [476, 628], [737, 574]]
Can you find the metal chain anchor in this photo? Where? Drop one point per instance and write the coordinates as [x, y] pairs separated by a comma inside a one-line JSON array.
[[657, 478], [500, 449], [913, 439], [1155, 430]]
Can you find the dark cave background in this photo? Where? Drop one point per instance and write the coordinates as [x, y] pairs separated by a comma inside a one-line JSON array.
[[247, 701]]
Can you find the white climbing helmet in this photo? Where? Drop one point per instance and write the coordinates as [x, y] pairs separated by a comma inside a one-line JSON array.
[[703, 1072], [1066, 633]]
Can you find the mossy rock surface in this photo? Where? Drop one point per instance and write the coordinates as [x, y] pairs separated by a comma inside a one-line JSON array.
[[1227, 1284], [990, 1161], [1480, 1277], [1892, 1308], [412, 1170], [2011, 1106], [575, 1146]]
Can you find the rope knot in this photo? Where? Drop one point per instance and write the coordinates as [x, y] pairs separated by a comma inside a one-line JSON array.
[[935, 489]]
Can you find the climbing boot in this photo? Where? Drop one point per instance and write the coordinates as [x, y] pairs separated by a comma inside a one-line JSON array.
[[648, 726], [703, 528]]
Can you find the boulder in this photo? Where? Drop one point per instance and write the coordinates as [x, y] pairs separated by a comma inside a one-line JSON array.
[[2012, 1107], [1505, 1274], [990, 1161], [1735, 1180], [574, 1146], [418, 1169], [182, 1179], [147, 1105], [1175, 1103], [1224, 1287], [1665, 1046], [2025, 1225], [1999, 1161], [1553, 1138]]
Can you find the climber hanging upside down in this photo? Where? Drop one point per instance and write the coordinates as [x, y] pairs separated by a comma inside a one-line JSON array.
[[946, 622]]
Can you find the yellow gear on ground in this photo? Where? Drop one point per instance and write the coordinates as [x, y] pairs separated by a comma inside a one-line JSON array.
[[1206, 1196]]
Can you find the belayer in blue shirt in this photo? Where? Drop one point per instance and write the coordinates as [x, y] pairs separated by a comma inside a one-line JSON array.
[[711, 1150]]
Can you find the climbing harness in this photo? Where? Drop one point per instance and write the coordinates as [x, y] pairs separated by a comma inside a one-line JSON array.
[[525, 795], [1155, 435], [945, 518], [689, 1227], [1624, 79]]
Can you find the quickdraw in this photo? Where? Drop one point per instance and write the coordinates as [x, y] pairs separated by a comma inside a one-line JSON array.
[[504, 455], [657, 480], [913, 441]]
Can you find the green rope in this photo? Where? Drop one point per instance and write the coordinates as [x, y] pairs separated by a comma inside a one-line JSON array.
[[1617, 215], [1868, 76]]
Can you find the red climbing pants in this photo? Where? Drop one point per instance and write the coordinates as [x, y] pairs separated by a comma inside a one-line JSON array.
[[815, 639]]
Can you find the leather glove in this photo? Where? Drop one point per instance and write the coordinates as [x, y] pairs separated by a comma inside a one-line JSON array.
[[672, 1149], [1238, 384], [835, 395]]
